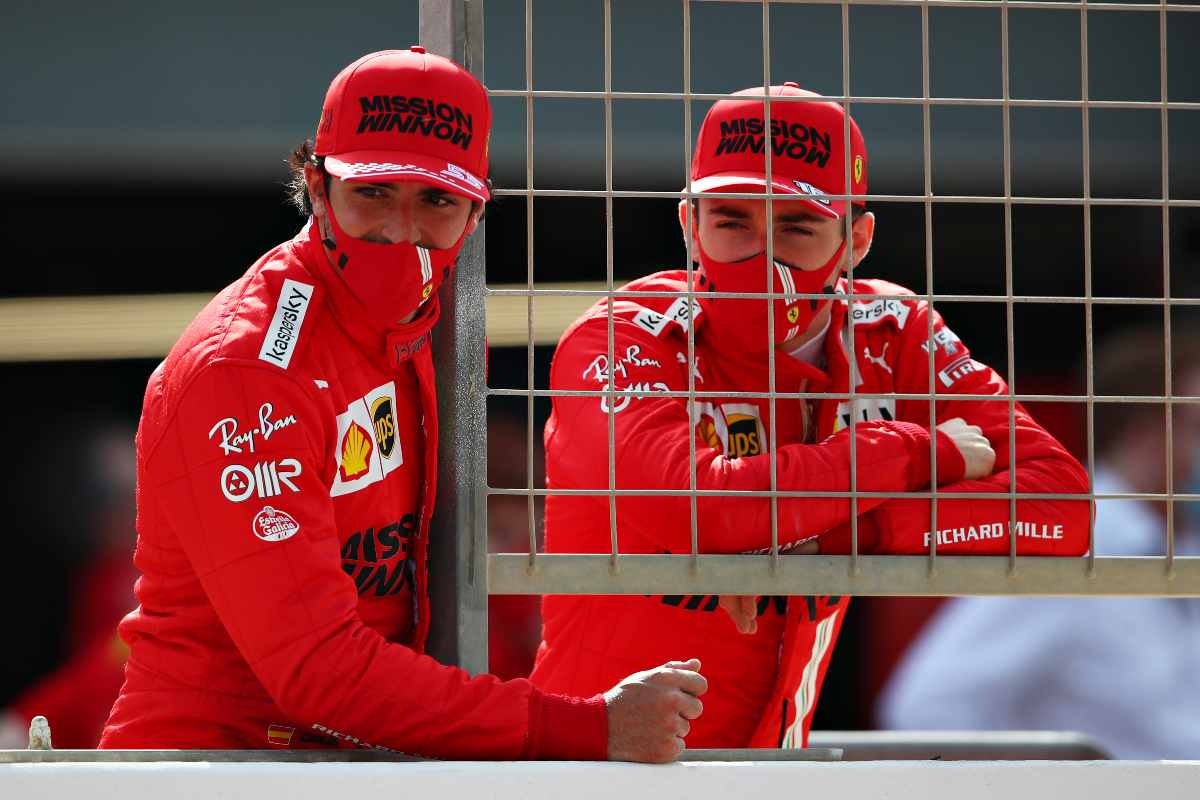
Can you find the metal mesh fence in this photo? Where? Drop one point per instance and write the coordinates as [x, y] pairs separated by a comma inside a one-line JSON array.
[[536, 572]]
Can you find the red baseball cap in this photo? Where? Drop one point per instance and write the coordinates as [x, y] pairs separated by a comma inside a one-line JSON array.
[[807, 156], [407, 115]]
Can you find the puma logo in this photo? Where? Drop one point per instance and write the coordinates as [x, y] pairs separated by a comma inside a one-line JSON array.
[[878, 360]]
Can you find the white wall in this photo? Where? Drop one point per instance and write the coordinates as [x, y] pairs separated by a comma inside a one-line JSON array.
[[1110, 780]]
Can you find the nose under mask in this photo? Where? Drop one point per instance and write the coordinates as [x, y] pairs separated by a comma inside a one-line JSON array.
[[745, 319], [391, 280]]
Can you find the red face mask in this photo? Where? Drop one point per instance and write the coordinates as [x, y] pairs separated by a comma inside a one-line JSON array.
[[391, 280], [745, 319]]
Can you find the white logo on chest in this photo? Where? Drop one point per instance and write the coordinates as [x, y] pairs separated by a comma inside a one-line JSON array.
[[878, 360]]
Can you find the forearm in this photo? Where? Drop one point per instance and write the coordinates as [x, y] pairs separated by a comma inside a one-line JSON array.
[[891, 457], [983, 526]]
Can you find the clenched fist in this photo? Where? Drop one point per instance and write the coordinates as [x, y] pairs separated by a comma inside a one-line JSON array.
[[976, 450], [650, 713]]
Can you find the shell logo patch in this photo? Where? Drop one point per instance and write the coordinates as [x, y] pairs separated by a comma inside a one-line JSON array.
[[368, 445], [356, 449], [706, 430]]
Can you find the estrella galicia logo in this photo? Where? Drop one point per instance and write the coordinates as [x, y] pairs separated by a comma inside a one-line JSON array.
[[385, 425]]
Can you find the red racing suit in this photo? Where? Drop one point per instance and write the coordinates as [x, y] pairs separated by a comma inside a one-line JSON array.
[[286, 461], [763, 687]]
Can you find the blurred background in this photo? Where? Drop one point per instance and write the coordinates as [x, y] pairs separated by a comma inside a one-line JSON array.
[[144, 155]]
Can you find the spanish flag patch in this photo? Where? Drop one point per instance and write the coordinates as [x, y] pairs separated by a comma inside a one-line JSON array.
[[280, 735]]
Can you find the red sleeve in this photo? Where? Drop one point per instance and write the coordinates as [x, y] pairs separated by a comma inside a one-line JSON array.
[[977, 526], [652, 438], [292, 612]]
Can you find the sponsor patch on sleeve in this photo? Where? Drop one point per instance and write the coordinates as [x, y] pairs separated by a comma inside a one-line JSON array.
[[290, 308], [274, 525], [958, 369], [945, 340], [879, 309], [679, 312]]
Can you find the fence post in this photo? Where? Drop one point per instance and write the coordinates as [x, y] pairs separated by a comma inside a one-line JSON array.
[[458, 546]]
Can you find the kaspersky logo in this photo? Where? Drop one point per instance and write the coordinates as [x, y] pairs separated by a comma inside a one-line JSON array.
[[368, 447]]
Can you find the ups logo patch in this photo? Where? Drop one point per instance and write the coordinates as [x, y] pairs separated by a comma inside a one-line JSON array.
[[732, 429], [744, 436], [385, 425]]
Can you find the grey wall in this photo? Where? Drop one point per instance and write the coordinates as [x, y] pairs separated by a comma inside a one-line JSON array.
[[216, 91]]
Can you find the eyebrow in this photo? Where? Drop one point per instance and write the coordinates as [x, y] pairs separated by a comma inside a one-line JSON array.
[[428, 191], [729, 211]]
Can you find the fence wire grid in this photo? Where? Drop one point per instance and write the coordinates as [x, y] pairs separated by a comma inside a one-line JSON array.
[[537, 572]]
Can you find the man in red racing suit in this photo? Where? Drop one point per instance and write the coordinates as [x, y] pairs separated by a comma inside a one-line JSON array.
[[286, 466], [764, 685]]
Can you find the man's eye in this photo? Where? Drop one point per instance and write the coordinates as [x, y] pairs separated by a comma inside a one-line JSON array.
[[369, 192], [731, 224], [800, 231], [441, 200]]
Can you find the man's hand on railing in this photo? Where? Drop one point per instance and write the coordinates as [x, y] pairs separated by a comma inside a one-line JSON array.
[[976, 450], [650, 713], [743, 609]]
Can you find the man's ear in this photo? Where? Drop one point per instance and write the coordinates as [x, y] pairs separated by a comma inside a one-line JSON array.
[[315, 181], [862, 233], [683, 227], [473, 220]]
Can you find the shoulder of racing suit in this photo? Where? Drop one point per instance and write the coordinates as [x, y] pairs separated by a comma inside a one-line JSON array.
[[886, 304], [264, 321], [651, 330], [664, 317]]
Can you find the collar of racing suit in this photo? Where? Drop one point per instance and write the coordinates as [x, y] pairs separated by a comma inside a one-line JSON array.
[[389, 346], [789, 372]]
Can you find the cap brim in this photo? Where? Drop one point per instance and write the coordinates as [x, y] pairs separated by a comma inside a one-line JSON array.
[[385, 166], [752, 182]]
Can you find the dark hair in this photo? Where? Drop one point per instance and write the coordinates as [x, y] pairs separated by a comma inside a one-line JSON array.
[[1130, 362], [297, 188]]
